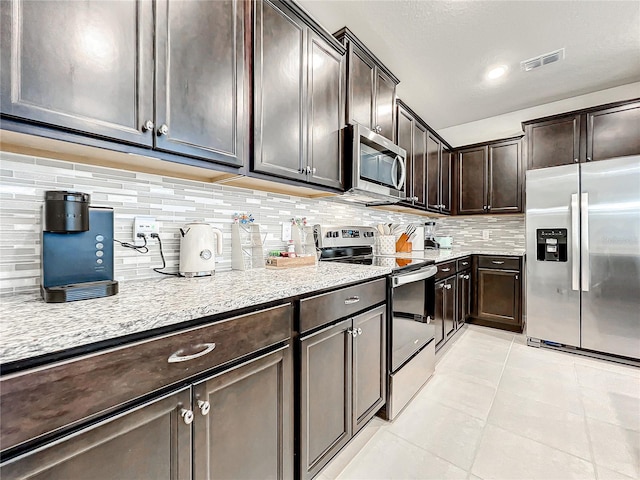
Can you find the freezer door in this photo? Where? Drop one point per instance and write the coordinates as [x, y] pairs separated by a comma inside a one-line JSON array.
[[552, 287], [611, 256]]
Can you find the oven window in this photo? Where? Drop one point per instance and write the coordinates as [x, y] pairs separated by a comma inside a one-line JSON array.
[[377, 164]]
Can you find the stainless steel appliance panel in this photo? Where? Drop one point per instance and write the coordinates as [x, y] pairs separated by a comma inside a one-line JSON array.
[[406, 382], [611, 256], [553, 294]]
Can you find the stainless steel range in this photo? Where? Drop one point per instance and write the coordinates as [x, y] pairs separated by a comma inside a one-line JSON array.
[[411, 293]]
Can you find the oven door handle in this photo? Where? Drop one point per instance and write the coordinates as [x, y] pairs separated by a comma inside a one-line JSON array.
[[422, 274]]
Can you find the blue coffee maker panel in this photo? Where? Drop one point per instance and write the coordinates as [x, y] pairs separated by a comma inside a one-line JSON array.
[[70, 258]]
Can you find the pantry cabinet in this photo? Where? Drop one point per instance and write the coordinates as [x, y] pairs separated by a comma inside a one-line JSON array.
[[490, 177], [371, 88], [298, 97], [164, 75], [598, 133]]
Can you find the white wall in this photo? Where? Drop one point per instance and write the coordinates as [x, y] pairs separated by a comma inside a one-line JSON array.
[[508, 125]]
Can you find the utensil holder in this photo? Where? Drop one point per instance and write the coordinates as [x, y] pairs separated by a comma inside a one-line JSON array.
[[386, 244], [405, 247]]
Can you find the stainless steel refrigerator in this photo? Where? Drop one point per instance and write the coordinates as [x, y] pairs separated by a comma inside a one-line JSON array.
[[583, 256]]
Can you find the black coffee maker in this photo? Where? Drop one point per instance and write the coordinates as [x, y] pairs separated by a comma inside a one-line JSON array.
[[77, 248]]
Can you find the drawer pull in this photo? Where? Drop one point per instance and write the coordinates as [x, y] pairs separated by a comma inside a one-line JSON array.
[[204, 407], [447, 286], [497, 262], [350, 300], [465, 263], [187, 415], [359, 331], [353, 333], [446, 269], [178, 357]]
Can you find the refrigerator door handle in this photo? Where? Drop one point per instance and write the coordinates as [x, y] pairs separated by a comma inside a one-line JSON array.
[[584, 219], [575, 243]]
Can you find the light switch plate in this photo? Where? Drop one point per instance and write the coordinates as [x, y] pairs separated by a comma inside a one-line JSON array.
[[286, 231], [485, 234]]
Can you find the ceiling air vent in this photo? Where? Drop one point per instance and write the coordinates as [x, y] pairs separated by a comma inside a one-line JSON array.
[[542, 60]]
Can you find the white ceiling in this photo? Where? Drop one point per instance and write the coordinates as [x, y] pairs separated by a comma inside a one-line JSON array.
[[440, 50]]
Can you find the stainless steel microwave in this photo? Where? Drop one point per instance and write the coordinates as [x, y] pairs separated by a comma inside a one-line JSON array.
[[378, 168]]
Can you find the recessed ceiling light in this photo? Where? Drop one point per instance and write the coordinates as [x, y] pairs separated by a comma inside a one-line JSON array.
[[497, 72]]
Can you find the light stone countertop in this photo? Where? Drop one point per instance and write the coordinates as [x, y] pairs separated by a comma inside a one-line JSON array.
[[30, 327]]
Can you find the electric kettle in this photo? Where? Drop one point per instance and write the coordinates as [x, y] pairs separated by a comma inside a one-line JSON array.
[[198, 248]]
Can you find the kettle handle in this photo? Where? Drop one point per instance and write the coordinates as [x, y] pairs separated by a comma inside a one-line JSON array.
[[218, 234]]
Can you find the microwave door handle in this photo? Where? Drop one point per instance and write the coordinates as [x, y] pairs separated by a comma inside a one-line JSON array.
[[394, 172]]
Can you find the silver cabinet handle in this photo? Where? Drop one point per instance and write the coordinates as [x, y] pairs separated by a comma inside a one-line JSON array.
[[575, 160], [163, 130], [464, 263], [516, 277], [466, 277], [445, 269], [497, 262], [204, 407], [148, 125], [303, 170], [447, 286], [353, 333], [187, 415], [313, 171], [359, 331], [584, 221], [588, 159], [178, 357], [378, 129], [575, 245], [352, 300], [488, 207]]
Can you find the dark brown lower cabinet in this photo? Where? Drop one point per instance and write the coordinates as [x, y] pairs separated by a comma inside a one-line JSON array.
[[342, 385], [445, 310], [247, 432], [150, 441], [498, 291], [242, 429], [463, 280]]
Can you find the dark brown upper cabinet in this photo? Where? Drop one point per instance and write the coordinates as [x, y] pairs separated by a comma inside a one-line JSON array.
[[490, 178], [438, 175], [298, 96], [597, 133], [446, 173], [412, 137], [371, 88], [95, 78], [174, 81]]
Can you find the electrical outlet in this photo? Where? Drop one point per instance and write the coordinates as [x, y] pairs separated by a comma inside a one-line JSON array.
[[286, 231], [146, 225], [485, 234]]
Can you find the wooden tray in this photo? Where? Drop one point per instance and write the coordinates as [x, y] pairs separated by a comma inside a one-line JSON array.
[[290, 262]]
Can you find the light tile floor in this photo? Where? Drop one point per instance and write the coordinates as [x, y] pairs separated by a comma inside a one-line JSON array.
[[498, 409]]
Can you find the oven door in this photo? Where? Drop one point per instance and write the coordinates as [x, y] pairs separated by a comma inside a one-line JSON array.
[[379, 164], [413, 304]]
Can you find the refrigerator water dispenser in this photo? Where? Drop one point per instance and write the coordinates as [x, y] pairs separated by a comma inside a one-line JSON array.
[[551, 244]]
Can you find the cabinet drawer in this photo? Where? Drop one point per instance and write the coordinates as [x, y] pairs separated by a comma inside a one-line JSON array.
[[42, 400], [463, 264], [446, 269], [500, 263], [325, 308]]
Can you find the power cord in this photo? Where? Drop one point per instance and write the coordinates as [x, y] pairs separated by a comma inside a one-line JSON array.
[[137, 248], [164, 263]]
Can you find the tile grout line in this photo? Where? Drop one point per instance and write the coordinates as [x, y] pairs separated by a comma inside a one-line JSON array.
[[486, 422]]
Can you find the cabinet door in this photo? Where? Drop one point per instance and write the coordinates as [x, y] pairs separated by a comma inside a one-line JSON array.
[[248, 430], [325, 113], [434, 153], [499, 296], [200, 82], [449, 308], [505, 177], [385, 100], [369, 365], [279, 92], [361, 88], [149, 441], [419, 164], [614, 132], [464, 297], [83, 66], [405, 140], [554, 142], [325, 396], [445, 181], [438, 317], [472, 175]]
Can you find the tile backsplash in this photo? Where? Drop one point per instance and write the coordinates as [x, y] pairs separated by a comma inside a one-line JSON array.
[[174, 202]]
